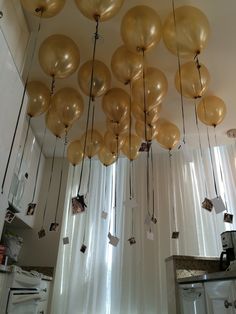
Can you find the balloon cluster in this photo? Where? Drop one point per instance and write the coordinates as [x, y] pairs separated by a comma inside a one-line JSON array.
[[185, 33]]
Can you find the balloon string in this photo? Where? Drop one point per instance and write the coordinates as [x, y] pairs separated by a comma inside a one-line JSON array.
[[89, 175], [91, 140], [71, 193], [180, 75], [21, 107], [221, 171], [24, 145], [153, 190], [38, 165], [212, 165], [130, 126], [172, 191], [132, 178], [96, 37], [144, 98], [115, 202], [132, 223], [60, 182], [200, 146], [148, 203], [50, 181], [199, 72]]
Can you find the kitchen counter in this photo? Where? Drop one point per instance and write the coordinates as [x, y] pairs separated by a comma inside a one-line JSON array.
[[223, 275], [45, 275]]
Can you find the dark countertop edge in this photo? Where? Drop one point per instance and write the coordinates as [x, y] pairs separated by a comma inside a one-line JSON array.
[[224, 275], [193, 258]]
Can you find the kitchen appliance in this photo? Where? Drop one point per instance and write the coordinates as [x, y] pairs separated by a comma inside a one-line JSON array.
[[192, 298], [22, 293], [228, 239]]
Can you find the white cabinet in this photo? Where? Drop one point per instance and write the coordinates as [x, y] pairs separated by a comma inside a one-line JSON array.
[[44, 304], [3, 286], [11, 91], [221, 297]]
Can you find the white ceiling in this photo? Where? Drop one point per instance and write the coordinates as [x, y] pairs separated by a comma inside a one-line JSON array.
[[219, 57]]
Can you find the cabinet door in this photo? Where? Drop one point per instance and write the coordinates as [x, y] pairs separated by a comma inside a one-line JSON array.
[[220, 297], [11, 91]]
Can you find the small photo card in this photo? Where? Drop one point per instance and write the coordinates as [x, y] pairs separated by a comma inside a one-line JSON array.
[[132, 240], [130, 203], [104, 215], [109, 236], [148, 220], [228, 218], [150, 235], [9, 216], [41, 233], [175, 235], [78, 204], [54, 226], [154, 220], [66, 240], [83, 248], [114, 241], [207, 204], [218, 205], [31, 209]]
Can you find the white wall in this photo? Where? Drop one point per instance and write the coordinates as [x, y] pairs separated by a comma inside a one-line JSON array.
[[15, 30], [43, 252]]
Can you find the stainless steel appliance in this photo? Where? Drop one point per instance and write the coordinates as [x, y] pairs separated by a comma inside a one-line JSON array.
[[228, 239], [22, 293], [192, 298]]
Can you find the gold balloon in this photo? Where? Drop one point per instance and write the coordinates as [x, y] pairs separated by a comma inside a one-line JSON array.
[[151, 116], [126, 65], [168, 134], [106, 157], [131, 146], [113, 143], [115, 104], [75, 152], [59, 56], [211, 110], [39, 98], [94, 142], [44, 8], [141, 28], [101, 78], [146, 132], [194, 85], [54, 123], [191, 32], [99, 9], [156, 86], [118, 128], [69, 105]]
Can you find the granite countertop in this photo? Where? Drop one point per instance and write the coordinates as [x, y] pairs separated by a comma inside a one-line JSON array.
[[186, 257], [223, 275]]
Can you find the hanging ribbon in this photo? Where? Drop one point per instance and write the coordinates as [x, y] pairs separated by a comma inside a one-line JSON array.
[[21, 104], [200, 145], [172, 192], [212, 165], [153, 190], [115, 201], [147, 177], [61, 176], [144, 98], [130, 127], [22, 154], [49, 185], [221, 171], [38, 166], [96, 37], [180, 75]]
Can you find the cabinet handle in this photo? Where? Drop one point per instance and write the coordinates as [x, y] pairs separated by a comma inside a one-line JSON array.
[[1, 14], [227, 304]]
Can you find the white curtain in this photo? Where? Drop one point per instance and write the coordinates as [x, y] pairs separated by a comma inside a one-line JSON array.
[[131, 279]]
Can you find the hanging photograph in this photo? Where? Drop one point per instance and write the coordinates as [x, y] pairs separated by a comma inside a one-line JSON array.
[[104, 215], [207, 204], [31, 209], [65, 240], [83, 248], [41, 233], [54, 226], [175, 235], [9, 216], [228, 218], [218, 204], [78, 205], [132, 240]]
